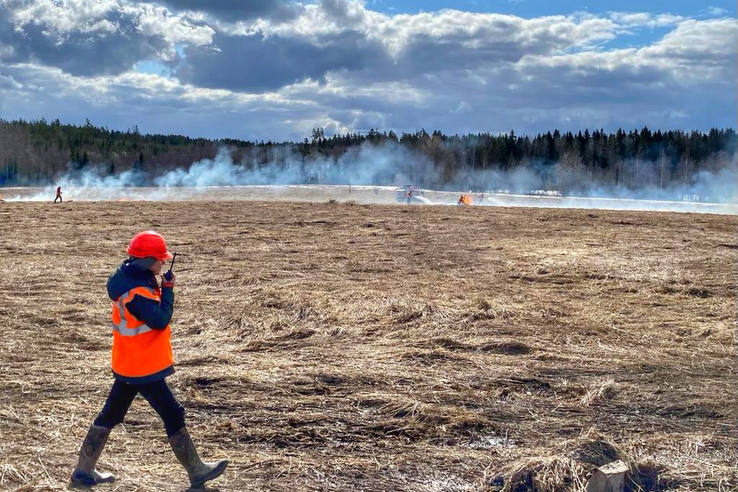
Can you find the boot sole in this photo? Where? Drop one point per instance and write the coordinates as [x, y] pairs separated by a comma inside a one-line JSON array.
[[217, 471]]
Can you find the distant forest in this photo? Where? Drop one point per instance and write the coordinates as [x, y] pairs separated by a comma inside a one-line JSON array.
[[38, 152]]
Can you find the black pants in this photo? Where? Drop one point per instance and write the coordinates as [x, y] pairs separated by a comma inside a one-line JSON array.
[[158, 395]]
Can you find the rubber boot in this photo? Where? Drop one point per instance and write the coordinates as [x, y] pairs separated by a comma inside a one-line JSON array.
[[185, 451], [85, 474]]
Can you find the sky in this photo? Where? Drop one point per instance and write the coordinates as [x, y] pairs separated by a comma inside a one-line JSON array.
[[276, 69]]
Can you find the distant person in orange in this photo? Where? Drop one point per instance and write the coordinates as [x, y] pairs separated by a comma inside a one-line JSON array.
[[58, 195]]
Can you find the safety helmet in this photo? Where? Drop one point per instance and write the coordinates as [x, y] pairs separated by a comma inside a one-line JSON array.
[[149, 243]]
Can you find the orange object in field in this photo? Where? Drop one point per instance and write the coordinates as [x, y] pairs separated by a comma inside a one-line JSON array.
[[465, 199]]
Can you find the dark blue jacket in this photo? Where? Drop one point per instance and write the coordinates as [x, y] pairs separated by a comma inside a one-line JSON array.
[[156, 315]]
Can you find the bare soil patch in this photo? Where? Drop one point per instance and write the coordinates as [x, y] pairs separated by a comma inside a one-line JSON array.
[[382, 348]]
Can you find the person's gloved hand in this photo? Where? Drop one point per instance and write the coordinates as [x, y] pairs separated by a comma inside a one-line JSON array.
[[168, 279]]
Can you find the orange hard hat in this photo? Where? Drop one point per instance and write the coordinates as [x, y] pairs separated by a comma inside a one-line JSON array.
[[149, 243]]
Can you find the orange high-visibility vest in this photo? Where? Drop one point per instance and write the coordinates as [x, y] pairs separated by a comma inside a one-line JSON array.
[[139, 350]]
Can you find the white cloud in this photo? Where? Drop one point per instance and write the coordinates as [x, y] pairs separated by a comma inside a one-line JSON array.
[[93, 36], [8, 82], [717, 11], [464, 107], [59, 18], [695, 52], [175, 29], [644, 19], [397, 32]]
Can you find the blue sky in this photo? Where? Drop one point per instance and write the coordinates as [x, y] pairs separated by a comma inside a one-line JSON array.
[[275, 69]]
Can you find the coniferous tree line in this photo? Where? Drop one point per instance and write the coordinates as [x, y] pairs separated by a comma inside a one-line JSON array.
[[34, 152]]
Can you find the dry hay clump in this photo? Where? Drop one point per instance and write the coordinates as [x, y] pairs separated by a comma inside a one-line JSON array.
[[569, 467], [417, 420], [545, 474], [599, 391]]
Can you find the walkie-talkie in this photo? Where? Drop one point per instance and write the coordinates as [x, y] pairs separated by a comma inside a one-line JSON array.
[[168, 275]]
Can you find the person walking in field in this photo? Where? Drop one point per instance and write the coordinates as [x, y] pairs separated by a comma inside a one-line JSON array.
[[141, 361], [58, 195]]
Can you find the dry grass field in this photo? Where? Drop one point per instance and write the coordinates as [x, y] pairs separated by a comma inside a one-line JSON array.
[[340, 347]]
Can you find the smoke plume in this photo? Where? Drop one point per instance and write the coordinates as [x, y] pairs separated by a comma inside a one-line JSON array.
[[388, 164]]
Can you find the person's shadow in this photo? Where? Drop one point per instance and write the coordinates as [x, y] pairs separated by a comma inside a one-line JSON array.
[[200, 489]]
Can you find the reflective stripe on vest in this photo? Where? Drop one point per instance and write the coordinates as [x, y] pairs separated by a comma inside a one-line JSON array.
[[138, 350], [123, 321]]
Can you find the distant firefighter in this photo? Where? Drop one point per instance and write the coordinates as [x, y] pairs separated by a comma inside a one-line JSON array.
[[58, 195]]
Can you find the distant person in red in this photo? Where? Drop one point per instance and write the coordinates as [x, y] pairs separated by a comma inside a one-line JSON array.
[[58, 195]]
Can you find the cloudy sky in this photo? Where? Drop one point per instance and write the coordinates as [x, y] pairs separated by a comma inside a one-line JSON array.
[[274, 69]]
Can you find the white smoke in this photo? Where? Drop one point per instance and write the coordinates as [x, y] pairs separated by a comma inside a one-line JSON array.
[[389, 164], [222, 171], [720, 186]]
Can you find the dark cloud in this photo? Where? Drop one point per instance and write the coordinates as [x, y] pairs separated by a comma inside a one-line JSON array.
[[340, 12], [427, 54], [83, 54], [279, 10], [257, 63], [78, 50]]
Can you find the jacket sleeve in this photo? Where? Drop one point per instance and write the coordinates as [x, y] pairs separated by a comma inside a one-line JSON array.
[[154, 314]]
